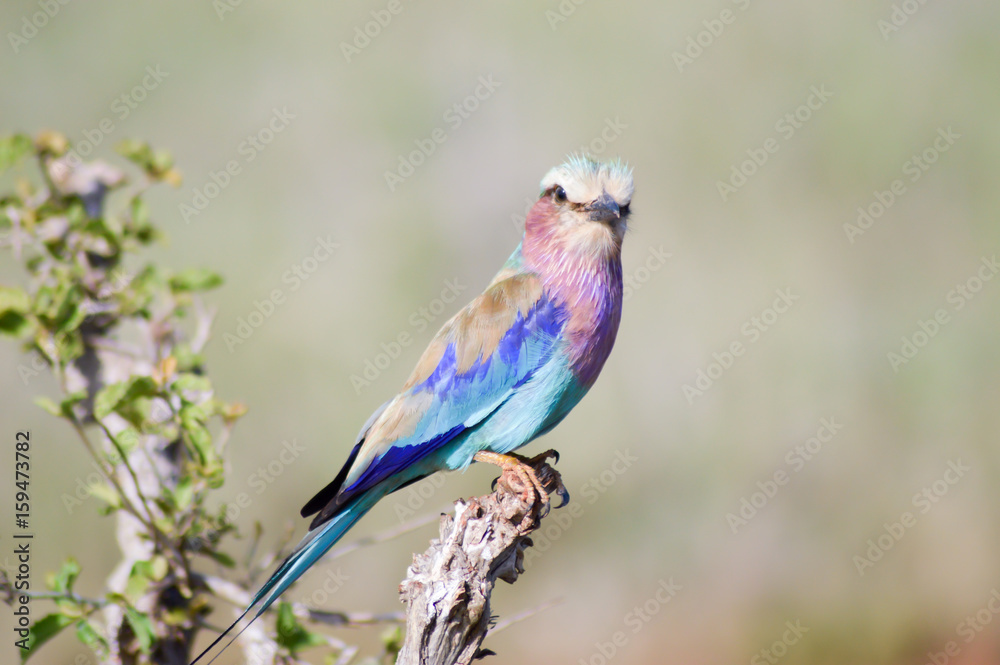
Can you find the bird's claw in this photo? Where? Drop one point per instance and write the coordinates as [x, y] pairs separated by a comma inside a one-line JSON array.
[[543, 458], [534, 474], [547, 476], [563, 495]]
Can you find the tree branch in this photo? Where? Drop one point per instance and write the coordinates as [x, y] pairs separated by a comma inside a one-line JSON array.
[[447, 589]]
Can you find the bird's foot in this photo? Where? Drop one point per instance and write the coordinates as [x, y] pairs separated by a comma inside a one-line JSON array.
[[548, 475], [534, 474]]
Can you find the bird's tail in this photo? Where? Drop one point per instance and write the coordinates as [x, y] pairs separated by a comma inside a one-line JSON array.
[[314, 545]]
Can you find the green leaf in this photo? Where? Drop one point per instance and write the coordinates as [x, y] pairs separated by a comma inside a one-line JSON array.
[[14, 308], [42, 631], [187, 359], [111, 396], [106, 493], [138, 580], [186, 381], [220, 558], [142, 627], [89, 636], [392, 639], [14, 299], [200, 439], [13, 148], [49, 405], [64, 579], [137, 412], [156, 164], [195, 279], [143, 572], [140, 212], [162, 161], [183, 494], [14, 324], [108, 398], [142, 386], [127, 439], [137, 152], [68, 347], [158, 567], [73, 316], [58, 307], [66, 406], [291, 634], [198, 436]]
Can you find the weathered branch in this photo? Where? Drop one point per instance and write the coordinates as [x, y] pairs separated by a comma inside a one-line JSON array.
[[447, 589]]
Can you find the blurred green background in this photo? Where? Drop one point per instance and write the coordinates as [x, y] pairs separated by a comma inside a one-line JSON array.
[[682, 91]]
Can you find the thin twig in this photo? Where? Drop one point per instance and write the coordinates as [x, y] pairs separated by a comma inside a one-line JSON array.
[[526, 614], [109, 473], [382, 536], [158, 535], [62, 595], [349, 619], [239, 597]]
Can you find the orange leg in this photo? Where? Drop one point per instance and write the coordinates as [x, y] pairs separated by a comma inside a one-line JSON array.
[[526, 470]]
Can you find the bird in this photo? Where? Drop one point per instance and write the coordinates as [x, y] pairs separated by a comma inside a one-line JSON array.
[[503, 371]]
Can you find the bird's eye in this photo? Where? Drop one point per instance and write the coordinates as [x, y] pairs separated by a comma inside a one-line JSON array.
[[560, 193]]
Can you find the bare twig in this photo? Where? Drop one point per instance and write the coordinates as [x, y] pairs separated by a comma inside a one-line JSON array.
[[525, 615], [382, 536]]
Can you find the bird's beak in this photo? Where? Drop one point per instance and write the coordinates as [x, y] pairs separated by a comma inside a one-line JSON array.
[[604, 209]]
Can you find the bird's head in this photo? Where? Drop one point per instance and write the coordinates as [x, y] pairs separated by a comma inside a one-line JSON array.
[[583, 207]]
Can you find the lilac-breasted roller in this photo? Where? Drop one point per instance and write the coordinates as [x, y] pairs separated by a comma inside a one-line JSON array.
[[503, 371]]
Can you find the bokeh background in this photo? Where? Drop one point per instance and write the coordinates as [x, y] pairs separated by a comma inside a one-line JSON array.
[[682, 91]]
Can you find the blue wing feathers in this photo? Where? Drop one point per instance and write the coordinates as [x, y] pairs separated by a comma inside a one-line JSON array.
[[397, 458], [462, 399]]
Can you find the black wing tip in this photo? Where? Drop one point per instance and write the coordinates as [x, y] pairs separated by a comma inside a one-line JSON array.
[[329, 493]]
